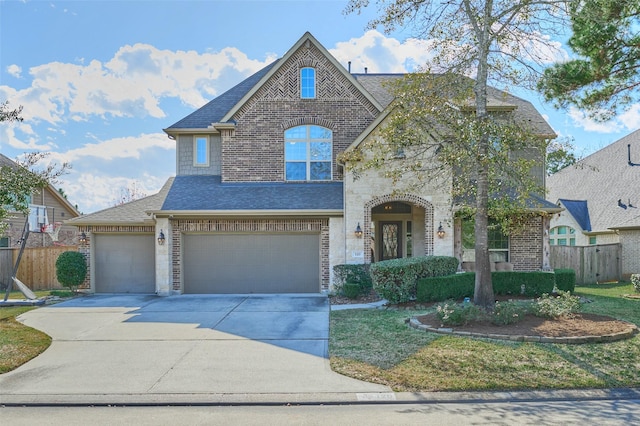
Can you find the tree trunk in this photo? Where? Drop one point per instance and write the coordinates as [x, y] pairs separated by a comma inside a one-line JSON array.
[[483, 292]]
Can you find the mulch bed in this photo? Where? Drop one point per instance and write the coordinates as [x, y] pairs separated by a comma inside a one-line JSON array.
[[578, 325]]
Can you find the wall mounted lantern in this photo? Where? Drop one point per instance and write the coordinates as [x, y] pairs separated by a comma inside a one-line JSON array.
[[441, 232], [358, 231], [161, 238], [83, 237]]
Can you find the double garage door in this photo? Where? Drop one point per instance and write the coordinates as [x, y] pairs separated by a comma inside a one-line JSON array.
[[124, 263], [251, 263]]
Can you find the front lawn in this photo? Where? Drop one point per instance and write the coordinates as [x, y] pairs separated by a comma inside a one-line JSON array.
[[377, 346], [19, 343]]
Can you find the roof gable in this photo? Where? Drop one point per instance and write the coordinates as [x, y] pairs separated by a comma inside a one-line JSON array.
[[580, 212], [306, 41]]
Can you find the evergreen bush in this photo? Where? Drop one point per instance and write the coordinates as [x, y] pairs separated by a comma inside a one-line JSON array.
[[71, 269]]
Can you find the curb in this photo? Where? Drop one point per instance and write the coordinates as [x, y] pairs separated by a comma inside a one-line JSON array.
[[351, 398]]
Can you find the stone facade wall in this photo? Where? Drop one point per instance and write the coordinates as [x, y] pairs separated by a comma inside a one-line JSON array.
[[178, 227], [525, 249], [255, 151]]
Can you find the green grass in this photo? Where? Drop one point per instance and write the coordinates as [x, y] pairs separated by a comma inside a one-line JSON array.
[[377, 346], [19, 343]]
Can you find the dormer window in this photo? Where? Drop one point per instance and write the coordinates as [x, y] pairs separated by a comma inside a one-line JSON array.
[[201, 151], [308, 83]]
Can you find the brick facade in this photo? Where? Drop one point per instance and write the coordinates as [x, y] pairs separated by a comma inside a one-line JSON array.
[[255, 151], [525, 248]]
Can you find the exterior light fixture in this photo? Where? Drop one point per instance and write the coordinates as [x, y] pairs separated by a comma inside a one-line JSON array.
[[161, 238], [83, 237], [441, 232], [358, 231]]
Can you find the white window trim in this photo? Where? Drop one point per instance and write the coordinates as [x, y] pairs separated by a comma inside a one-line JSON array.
[[195, 151]]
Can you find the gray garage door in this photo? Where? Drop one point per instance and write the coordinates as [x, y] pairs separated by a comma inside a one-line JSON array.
[[251, 263], [124, 263]]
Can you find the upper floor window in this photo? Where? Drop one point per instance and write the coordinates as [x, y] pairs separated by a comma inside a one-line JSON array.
[[201, 151], [565, 236], [307, 83], [307, 153]]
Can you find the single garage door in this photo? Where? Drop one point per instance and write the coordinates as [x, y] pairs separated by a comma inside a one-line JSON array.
[[251, 263], [124, 263]]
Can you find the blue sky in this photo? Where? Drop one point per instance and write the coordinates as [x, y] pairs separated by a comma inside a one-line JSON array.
[[99, 80]]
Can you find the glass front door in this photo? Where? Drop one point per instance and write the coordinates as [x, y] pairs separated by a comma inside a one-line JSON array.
[[390, 240]]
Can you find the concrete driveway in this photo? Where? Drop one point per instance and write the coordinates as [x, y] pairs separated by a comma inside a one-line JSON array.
[[187, 348]]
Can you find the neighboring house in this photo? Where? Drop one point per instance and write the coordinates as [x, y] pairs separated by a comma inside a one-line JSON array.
[[261, 204], [601, 195], [48, 210]]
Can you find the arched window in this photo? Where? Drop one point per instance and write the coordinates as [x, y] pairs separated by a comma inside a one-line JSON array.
[[308, 153], [307, 83]]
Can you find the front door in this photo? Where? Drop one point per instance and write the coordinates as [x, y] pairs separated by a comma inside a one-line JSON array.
[[390, 240]]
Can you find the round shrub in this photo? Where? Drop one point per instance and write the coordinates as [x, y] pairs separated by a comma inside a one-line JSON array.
[[71, 269]]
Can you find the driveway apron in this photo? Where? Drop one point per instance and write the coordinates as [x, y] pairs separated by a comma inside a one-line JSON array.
[[141, 347]]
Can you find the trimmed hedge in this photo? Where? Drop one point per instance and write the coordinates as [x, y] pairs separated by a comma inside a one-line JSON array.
[[565, 279], [458, 286], [396, 279], [439, 289], [351, 290], [353, 274]]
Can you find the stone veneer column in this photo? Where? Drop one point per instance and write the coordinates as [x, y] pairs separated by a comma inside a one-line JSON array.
[[164, 276]]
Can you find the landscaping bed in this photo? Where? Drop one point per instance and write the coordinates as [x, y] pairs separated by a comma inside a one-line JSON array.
[[577, 325]]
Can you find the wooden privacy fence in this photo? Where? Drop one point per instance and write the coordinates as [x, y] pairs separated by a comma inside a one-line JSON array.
[[593, 264], [37, 268]]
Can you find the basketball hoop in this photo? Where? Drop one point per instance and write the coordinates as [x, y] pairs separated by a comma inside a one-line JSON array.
[[52, 230]]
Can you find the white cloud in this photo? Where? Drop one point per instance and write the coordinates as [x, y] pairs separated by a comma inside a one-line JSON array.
[[94, 192], [14, 70], [131, 84], [626, 122], [381, 54], [116, 148], [581, 119], [631, 118]]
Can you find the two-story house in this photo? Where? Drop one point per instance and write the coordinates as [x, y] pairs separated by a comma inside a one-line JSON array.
[[48, 210], [261, 204]]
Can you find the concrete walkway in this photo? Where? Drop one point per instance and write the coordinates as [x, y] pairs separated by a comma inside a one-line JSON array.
[[188, 348]]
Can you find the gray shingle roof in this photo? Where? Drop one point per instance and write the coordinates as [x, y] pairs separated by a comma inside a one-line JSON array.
[[131, 212], [214, 110], [602, 179], [379, 86], [580, 212], [209, 193]]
